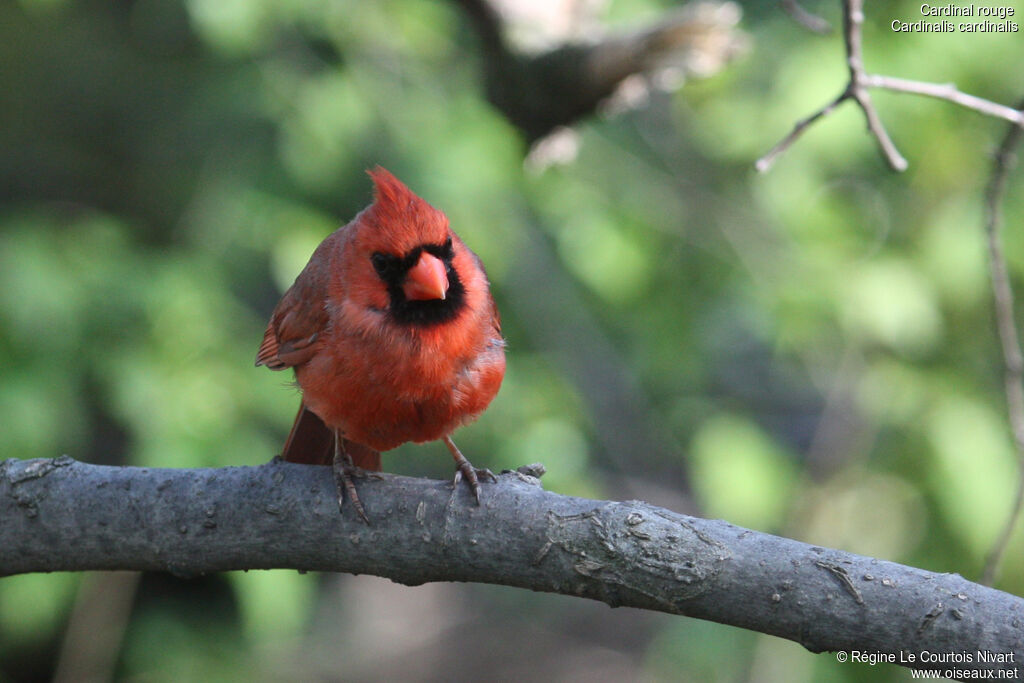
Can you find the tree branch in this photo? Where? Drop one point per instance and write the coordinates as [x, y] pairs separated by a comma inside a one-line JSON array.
[[61, 515], [540, 93], [948, 92], [1009, 338], [857, 90], [768, 160], [810, 21], [853, 24]]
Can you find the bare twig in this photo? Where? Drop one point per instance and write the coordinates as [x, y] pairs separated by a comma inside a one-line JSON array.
[[853, 23], [1008, 335], [948, 92], [810, 21], [857, 90], [60, 515], [765, 162]]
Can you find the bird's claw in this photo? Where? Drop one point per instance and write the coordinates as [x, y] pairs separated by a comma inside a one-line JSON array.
[[472, 475], [464, 470], [344, 471]]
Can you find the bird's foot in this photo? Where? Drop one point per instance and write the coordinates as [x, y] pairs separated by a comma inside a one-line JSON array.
[[472, 475], [465, 470], [344, 471]]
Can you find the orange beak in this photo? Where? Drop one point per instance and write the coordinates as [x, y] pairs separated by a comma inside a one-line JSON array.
[[426, 280]]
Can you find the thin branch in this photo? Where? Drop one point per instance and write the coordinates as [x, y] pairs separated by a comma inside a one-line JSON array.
[[853, 23], [896, 161], [766, 162], [61, 515], [948, 92], [810, 21], [1008, 335], [857, 89]]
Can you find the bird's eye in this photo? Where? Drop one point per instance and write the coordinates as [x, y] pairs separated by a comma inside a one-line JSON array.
[[448, 246], [382, 263]]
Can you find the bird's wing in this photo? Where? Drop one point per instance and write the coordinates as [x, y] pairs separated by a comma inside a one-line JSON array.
[[299, 320], [495, 316]]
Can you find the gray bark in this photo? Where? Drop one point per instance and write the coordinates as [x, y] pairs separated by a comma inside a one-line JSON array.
[[62, 515]]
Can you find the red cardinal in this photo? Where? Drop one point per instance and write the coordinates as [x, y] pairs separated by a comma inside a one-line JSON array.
[[393, 335]]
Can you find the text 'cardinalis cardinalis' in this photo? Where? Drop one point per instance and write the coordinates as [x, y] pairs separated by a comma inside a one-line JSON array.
[[393, 335]]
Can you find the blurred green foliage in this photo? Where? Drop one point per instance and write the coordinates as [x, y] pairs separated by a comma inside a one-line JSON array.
[[816, 343]]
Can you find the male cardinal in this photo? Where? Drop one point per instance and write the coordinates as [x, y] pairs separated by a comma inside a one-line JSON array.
[[394, 337]]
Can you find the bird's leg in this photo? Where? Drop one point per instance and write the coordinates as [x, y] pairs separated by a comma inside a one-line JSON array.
[[465, 469], [343, 471]]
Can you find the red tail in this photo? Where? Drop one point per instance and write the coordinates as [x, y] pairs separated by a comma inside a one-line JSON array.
[[312, 443]]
